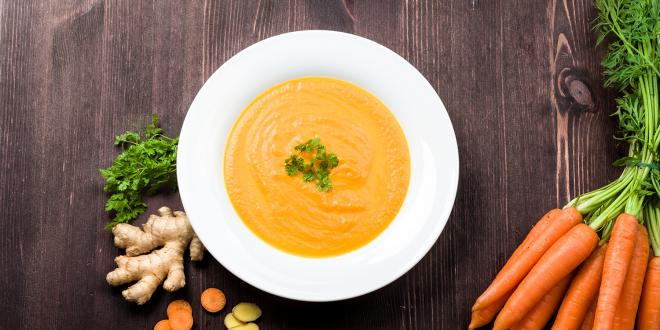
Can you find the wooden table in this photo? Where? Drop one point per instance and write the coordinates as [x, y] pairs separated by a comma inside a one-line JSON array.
[[520, 79]]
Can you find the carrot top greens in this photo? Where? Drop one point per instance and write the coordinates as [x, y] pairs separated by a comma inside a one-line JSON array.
[[631, 65]]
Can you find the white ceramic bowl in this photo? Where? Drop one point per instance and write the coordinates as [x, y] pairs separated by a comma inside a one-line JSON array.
[[417, 107]]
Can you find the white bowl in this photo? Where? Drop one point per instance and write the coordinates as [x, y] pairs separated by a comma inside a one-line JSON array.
[[417, 107]]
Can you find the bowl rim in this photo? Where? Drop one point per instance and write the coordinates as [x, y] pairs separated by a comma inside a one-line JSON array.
[[424, 245]]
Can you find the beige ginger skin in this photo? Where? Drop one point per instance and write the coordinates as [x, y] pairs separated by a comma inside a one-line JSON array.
[[170, 231]]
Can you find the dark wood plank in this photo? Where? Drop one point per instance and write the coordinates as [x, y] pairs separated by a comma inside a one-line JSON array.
[[521, 82]]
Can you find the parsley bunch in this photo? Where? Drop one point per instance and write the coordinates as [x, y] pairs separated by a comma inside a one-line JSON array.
[[144, 166], [319, 166]]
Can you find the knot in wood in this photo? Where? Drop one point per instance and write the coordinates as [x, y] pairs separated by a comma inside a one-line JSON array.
[[573, 87], [580, 92]]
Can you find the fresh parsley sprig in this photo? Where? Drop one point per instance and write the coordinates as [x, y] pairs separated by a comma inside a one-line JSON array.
[[144, 167], [317, 169]]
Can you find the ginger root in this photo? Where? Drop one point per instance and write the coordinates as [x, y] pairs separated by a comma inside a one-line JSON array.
[[170, 231]]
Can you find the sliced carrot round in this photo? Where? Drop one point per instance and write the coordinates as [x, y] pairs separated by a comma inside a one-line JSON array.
[[178, 306], [213, 300], [179, 313], [162, 325]]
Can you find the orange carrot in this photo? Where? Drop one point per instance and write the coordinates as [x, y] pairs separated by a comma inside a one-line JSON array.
[[564, 256], [162, 325], [536, 230], [176, 306], [213, 300], [648, 317], [179, 313], [624, 318], [548, 230], [482, 316], [581, 293], [542, 312], [588, 323], [181, 321], [617, 258]]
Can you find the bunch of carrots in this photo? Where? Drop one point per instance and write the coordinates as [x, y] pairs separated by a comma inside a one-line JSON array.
[[591, 261]]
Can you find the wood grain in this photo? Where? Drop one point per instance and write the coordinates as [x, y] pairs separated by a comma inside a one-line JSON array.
[[520, 79]]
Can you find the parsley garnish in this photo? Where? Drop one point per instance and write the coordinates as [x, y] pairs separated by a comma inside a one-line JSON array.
[[317, 169], [144, 166]]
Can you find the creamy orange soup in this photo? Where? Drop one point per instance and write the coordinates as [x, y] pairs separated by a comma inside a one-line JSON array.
[[369, 184]]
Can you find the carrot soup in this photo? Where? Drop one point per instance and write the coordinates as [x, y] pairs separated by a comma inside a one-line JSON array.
[[368, 184]]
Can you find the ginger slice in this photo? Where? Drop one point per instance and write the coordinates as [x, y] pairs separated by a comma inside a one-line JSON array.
[[231, 321], [170, 231], [247, 326], [246, 312]]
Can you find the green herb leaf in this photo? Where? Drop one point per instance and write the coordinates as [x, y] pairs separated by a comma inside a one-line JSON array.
[[152, 129], [294, 164], [127, 138], [309, 146], [332, 160], [308, 175], [324, 183], [319, 166]]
